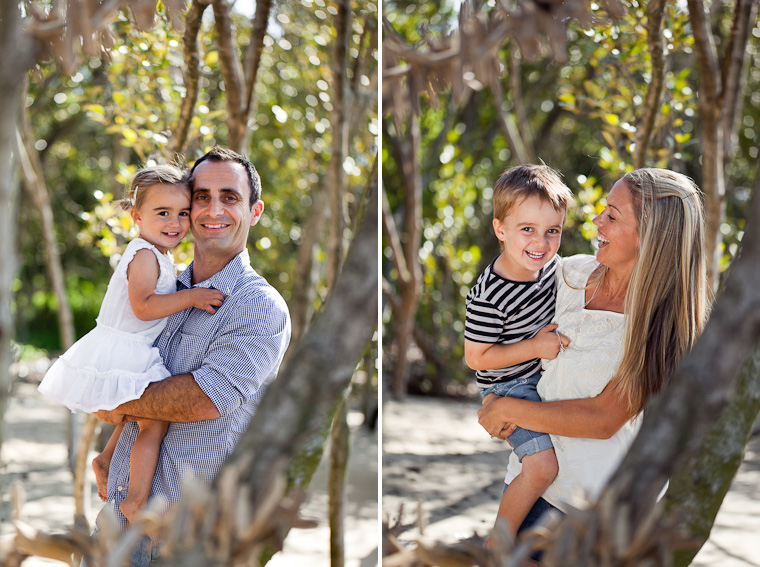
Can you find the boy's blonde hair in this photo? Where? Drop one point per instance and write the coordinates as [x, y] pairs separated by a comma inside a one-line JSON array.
[[146, 177], [520, 182]]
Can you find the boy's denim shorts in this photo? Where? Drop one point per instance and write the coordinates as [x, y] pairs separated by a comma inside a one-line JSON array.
[[524, 442]]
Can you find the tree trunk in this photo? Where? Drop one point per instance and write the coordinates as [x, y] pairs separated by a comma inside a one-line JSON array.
[[339, 452], [34, 183], [253, 58], [193, 22], [719, 94], [656, 43], [17, 57], [307, 268], [336, 179], [699, 488], [735, 72], [405, 247], [232, 72]]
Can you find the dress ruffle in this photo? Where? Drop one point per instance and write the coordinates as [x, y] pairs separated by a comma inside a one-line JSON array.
[[99, 373]]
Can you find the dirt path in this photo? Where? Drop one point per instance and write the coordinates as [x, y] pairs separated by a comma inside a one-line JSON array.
[[436, 457], [34, 453]]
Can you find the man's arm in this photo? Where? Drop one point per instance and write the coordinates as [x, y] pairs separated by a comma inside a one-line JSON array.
[[178, 398]]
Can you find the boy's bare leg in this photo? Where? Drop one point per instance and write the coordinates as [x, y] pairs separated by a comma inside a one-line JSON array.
[[142, 466], [538, 472], [101, 463]]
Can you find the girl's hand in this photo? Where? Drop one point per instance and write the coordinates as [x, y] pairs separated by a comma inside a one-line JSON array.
[[548, 342], [207, 299]]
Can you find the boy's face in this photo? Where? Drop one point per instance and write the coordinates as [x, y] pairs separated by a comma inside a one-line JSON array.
[[531, 235]]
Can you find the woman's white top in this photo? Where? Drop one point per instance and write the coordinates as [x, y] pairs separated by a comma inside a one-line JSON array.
[[116, 361], [582, 371]]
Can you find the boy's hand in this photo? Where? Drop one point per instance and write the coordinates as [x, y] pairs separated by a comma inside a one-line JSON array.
[[207, 299], [548, 342]]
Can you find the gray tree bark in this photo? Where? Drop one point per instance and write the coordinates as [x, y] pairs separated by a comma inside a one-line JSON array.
[[18, 56], [656, 43]]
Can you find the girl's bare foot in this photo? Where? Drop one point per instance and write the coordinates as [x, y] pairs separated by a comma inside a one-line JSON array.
[[100, 466], [130, 507]]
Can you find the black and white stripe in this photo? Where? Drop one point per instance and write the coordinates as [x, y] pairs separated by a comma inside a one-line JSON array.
[[505, 312]]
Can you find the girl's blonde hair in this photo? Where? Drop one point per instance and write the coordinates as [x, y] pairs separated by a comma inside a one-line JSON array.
[[145, 178], [668, 301]]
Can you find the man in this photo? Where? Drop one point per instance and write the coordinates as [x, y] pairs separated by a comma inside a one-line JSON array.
[[220, 363]]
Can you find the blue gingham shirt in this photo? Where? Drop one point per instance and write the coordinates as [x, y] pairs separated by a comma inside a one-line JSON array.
[[233, 355]]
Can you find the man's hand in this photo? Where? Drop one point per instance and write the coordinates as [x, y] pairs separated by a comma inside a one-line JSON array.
[[112, 417]]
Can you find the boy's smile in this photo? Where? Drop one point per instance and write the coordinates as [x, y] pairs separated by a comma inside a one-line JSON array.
[[531, 234]]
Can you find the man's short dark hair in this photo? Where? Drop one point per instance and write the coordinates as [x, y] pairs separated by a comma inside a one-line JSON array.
[[219, 154]]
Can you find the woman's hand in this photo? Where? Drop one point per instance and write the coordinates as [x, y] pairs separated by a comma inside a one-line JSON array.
[[491, 416]]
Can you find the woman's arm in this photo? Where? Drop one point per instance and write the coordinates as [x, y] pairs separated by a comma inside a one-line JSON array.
[[599, 417], [147, 305]]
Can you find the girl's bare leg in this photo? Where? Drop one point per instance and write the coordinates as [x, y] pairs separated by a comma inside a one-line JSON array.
[[101, 463], [142, 466]]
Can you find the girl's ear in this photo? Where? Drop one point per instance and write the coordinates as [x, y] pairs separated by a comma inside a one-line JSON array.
[[135, 214]]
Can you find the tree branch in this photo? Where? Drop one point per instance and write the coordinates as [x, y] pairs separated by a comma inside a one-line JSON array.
[[255, 47], [656, 43], [734, 71], [232, 72], [193, 23]]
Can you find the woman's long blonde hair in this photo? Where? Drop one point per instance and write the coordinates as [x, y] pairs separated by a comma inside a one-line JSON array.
[[667, 302]]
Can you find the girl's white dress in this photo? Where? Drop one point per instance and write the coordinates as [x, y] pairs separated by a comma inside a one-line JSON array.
[[116, 361]]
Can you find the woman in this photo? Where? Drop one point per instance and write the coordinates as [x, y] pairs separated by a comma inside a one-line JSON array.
[[631, 314]]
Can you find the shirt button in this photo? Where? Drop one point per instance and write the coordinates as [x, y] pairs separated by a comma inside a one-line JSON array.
[[120, 488], [167, 333]]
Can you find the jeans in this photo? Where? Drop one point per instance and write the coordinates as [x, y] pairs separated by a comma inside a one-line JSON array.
[[524, 441]]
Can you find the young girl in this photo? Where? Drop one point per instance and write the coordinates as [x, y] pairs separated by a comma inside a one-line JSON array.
[[116, 361]]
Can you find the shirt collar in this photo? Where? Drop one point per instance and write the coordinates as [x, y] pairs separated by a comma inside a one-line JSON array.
[[224, 280]]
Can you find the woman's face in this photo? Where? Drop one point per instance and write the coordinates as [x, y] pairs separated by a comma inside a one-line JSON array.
[[618, 234]]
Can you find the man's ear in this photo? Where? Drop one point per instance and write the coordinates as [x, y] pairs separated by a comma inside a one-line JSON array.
[[258, 208]]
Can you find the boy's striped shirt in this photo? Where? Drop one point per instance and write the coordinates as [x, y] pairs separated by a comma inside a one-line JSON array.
[[504, 311]]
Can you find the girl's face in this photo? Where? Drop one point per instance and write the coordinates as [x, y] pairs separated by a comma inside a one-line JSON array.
[[618, 232], [164, 215]]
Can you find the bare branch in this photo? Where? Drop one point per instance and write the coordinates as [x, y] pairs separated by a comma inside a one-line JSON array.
[[656, 43], [734, 71], [255, 47], [232, 72], [192, 65]]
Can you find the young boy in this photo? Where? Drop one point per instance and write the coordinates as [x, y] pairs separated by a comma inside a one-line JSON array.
[[509, 308]]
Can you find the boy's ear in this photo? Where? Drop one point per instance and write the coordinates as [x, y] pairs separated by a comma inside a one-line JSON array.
[[498, 229]]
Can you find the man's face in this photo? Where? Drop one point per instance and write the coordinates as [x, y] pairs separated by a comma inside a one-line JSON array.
[[220, 215]]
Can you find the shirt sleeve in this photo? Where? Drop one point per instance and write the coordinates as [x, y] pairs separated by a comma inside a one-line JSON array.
[[246, 352], [483, 321]]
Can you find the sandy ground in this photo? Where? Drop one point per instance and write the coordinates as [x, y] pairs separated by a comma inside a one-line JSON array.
[[34, 453], [437, 459]]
